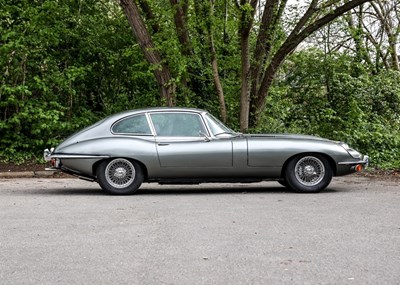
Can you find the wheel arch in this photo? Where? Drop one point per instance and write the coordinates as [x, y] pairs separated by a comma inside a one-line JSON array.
[[142, 165], [331, 161]]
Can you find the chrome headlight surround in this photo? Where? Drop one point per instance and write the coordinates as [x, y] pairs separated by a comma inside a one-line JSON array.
[[352, 152]]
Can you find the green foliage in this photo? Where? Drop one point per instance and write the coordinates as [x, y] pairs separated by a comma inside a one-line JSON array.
[[63, 65], [66, 64], [336, 98]]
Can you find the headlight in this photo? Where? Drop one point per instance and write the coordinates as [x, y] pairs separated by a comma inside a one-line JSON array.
[[352, 152]]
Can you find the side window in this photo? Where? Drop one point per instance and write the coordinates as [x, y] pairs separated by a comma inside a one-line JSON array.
[[178, 124], [132, 125]]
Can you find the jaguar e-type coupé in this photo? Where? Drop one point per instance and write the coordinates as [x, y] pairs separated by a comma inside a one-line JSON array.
[[182, 145]]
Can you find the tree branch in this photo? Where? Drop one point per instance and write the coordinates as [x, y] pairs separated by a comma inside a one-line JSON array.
[[293, 40]]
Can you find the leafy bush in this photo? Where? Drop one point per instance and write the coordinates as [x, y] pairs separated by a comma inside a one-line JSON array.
[[330, 97], [63, 66]]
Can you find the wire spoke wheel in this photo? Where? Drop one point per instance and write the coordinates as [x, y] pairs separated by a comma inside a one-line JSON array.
[[120, 176], [309, 171], [120, 173]]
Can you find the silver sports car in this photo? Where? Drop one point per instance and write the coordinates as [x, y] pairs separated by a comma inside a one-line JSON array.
[[181, 145]]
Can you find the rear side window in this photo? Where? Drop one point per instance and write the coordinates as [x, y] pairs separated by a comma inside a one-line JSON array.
[[132, 125]]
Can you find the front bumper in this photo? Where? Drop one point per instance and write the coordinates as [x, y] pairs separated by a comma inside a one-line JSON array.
[[348, 167], [364, 162]]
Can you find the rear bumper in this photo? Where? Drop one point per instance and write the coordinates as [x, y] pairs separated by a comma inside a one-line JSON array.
[[47, 154], [79, 162]]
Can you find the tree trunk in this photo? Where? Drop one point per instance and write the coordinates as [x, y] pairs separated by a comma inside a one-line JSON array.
[[149, 15], [161, 71], [246, 22], [273, 11], [181, 26], [214, 65], [244, 79]]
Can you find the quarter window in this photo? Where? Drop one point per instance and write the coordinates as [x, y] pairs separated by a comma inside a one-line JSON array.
[[132, 125]]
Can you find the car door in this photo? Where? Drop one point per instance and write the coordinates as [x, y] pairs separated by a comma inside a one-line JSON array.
[[182, 140]]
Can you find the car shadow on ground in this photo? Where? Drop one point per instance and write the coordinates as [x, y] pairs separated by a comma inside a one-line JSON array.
[[181, 190]]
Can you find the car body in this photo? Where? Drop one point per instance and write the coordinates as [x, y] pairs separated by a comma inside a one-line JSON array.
[[185, 145]]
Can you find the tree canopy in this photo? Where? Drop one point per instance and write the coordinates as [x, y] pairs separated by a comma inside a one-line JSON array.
[[328, 68]]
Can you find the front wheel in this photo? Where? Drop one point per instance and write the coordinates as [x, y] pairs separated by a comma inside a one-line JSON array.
[[308, 173], [283, 182], [119, 176]]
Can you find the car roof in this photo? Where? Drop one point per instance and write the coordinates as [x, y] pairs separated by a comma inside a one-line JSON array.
[[154, 109]]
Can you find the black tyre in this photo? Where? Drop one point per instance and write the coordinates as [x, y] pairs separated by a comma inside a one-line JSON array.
[[120, 176], [283, 182], [308, 173]]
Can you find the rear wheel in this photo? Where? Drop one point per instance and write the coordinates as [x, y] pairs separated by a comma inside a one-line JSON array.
[[120, 176], [308, 173]]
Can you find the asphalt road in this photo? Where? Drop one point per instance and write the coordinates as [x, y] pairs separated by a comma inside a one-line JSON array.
[[66, 231]]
